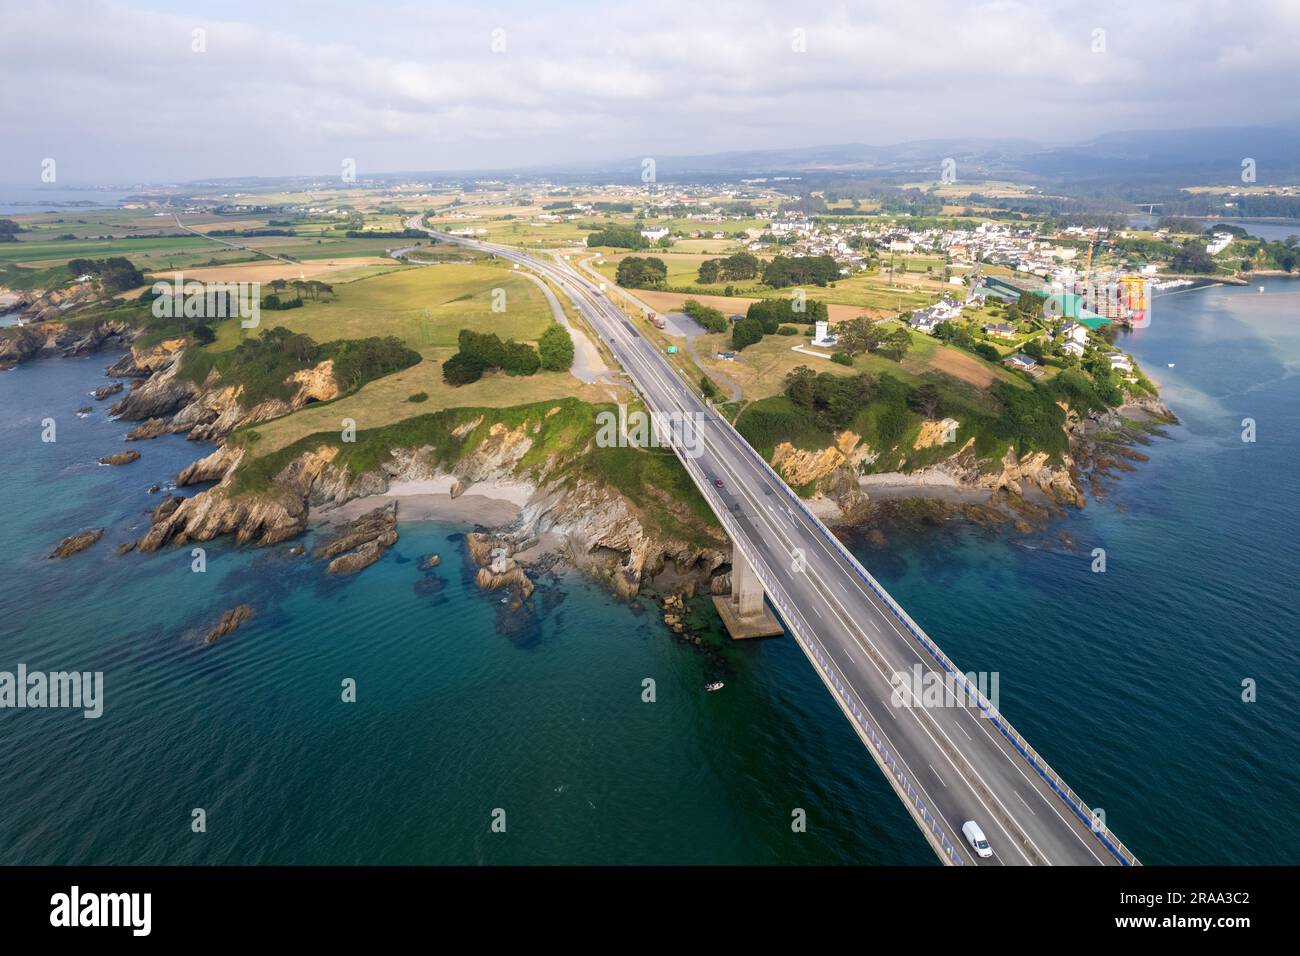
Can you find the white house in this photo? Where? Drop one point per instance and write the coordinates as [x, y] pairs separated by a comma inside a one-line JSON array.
[[1071, 347], [1075, 332], [654, 235], [1121, 361], [924, 321], [1218, 242]]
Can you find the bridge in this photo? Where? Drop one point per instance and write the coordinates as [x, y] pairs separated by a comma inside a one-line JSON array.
[[947, 764]]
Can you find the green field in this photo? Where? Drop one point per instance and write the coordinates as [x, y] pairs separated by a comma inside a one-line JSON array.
[[386, 400], [866, 290], [455, 296]]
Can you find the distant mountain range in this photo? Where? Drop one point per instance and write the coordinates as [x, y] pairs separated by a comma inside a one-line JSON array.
[[1209, 156], [1131, 166]]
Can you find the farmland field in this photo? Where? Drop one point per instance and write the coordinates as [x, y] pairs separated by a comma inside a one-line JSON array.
[[455, 297]]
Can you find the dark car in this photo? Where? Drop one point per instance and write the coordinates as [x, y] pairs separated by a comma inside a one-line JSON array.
[[717, 482]]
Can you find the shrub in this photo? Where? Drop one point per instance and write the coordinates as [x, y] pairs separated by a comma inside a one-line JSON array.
[[487, 347], [357, 361], [275, 304], [842, 358], [773, 312], [462, 368], [556, 348], [746, 332], [418, 397], [520, 359], [705, 316]]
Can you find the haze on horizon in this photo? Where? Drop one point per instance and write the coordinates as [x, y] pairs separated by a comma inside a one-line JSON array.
[[116, 92]]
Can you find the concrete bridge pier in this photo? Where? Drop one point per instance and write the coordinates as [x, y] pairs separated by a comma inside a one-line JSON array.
[[744, 611]]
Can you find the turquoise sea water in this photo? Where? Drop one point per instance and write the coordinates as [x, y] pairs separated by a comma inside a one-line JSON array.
[[1128, 682]]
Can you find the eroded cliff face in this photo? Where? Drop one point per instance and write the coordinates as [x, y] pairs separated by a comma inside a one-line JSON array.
[[260, 519], [598, 528], [834, 473], [53, 339], [607, 534], [37, 307], [165, 403]]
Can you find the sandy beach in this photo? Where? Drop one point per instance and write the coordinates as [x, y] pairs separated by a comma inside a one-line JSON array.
[[926, 484], [485, 503]]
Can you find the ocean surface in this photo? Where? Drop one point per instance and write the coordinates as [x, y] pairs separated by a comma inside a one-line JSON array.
[[1271, 230], [33, 197], [1128, 682]]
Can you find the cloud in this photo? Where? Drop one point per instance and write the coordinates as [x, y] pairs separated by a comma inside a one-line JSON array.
[[115, 91]]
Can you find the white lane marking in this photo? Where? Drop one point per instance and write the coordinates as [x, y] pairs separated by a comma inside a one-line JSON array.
[[936, 775], [1022, 800]]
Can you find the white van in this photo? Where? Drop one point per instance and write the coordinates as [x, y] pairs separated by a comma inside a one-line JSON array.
[[975, 837]]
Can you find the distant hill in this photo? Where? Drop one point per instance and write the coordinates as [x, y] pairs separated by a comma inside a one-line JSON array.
[[1208, 156]]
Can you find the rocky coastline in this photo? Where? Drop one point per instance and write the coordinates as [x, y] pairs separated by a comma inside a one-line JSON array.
[[1017, 493], [51, 339], [549, 517]]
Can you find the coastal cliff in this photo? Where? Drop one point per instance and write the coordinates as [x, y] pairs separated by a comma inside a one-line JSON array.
[[166, 402], [839, 480], [54, 339], [582, 517]]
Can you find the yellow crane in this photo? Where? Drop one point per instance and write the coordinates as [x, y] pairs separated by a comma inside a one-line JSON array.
[[1087, 267]]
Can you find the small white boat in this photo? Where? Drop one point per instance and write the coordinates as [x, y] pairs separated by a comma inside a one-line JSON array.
[[1171, 364], [715, 685]]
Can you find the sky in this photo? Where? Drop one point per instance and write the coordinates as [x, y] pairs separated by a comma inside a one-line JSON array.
[[150, 91]]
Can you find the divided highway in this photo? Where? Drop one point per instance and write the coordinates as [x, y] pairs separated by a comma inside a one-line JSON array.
[[948, 764]]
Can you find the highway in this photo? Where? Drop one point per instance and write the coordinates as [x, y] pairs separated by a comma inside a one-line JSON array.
[[948, 764]]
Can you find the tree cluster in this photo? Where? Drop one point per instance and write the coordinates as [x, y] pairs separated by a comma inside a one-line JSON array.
[[739, 266], [618, 237], [863, 335], [116, 274], [705, 316], [784, 271], [480, 352], [641, 272]]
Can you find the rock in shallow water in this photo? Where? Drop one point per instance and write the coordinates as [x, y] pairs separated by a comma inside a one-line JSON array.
[[230, 621], [360, 543], [120, 458], [76, 543]]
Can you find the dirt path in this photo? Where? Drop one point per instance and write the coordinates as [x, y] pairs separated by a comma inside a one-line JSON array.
[[588, 366]]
